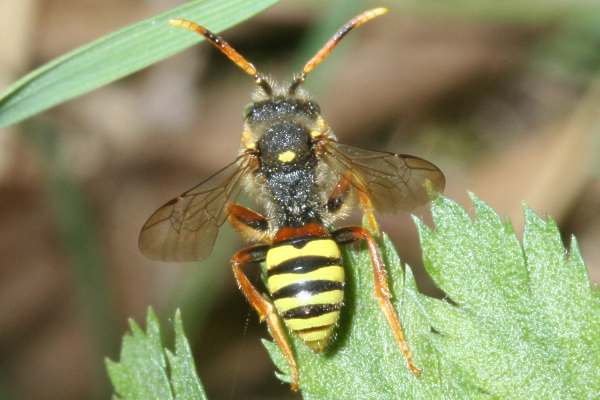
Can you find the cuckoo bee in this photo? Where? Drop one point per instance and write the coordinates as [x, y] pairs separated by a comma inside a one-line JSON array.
[[291, 163]]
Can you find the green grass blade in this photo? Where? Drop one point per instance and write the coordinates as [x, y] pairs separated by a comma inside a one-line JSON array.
[[116, 55]]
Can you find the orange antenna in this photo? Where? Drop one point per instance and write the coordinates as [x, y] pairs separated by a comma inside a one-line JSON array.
[[225, 48], [355, 22]]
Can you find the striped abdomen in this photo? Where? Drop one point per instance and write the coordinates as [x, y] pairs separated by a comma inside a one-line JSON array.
[[306, 283]]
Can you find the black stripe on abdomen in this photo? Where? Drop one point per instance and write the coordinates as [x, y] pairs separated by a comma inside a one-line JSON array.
[[303, 264], [311, 310], [313, 287]]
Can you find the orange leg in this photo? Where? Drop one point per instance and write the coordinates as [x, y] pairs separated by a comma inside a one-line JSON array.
[[252, 226], [263, 307], [368, 210], [340, 194], [382, 290]]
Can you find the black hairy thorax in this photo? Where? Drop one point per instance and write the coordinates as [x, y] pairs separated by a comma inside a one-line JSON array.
[[288, 165]]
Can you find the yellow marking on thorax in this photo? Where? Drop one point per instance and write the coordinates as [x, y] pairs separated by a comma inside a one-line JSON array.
[[297, 324], [329, 273], [286, 156], [321, 124], [317, 247], [247, 141], [331, 297]]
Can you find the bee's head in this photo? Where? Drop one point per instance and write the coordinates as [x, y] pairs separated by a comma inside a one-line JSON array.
[[281, 108], [277, 121]]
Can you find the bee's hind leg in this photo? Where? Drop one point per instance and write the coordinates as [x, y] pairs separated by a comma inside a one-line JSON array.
[[382, 290], [264, 308]]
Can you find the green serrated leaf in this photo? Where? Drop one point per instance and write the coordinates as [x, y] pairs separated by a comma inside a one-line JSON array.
[[526, 326], [142, 373], [184, 379], [523, 322], [116, 55]]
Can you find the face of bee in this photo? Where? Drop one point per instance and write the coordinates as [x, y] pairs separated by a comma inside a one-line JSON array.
[[281, 107], [279, 129]]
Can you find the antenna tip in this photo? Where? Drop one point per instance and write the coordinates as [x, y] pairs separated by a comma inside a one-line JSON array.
[[376, 12], [177, 22]]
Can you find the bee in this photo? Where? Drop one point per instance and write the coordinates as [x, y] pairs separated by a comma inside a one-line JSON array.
[[291, 163]]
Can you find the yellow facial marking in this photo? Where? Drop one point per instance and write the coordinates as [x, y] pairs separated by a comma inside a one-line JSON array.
[[286, 156], [315, 134], [318, 247], [321, 124], [331, 273]]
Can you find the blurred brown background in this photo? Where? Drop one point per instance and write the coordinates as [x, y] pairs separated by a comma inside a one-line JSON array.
[[503, 97]]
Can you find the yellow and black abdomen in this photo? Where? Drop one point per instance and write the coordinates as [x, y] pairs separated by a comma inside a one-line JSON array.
[[305, 279]]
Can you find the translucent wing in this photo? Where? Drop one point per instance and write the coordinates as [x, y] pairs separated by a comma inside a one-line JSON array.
[[185, 228], [392, 181]]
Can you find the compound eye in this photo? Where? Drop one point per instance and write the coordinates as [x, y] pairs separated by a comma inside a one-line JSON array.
[[248, 109], [313, 107]]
